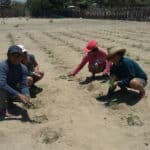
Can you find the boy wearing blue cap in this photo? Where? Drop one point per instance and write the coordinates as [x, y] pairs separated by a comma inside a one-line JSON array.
[[13, 82]]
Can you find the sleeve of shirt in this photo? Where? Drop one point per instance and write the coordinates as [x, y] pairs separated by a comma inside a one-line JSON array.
[[33, 59], [107, 68], [3, 81], [81, 65], [130, 75], [24, 85]]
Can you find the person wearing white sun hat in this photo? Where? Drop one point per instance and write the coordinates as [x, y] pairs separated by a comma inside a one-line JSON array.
[[34, 74]]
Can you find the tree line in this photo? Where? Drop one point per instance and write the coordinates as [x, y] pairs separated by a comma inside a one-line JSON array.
[[58, 7], [52, 8]]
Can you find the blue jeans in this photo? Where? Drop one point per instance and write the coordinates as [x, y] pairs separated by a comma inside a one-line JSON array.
[[5, 99]]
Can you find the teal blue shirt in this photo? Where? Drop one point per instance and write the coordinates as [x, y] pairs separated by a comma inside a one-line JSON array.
[[126, 71]]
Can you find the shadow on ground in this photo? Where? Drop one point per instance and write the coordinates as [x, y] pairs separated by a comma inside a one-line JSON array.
[[129, 97], [101, 78]]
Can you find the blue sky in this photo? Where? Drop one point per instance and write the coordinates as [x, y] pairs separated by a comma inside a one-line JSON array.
[[19, 0]]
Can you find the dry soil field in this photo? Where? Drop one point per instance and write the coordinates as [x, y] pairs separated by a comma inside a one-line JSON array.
[[68, 114]]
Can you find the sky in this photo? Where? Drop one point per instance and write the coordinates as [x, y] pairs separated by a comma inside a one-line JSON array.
[[19, 0]]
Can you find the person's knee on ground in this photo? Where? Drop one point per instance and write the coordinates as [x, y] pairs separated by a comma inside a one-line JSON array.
[[135, 84], [92, 72], [38, 77], [30, 81], [42, 74]]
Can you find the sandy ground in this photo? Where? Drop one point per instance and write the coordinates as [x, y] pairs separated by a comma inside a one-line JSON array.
[[68, 114]]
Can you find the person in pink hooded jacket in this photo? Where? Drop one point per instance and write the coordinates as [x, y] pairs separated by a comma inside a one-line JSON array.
[[96, 58]]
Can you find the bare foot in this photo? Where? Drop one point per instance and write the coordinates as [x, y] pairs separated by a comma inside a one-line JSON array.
[[142, 94]]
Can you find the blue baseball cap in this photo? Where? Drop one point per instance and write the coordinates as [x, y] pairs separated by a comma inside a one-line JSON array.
[[14, 49]]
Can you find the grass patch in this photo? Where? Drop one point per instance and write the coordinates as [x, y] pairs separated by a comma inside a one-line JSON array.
[[51, 21], [134, 120], [16, 26], [27, 18], [90, 87], [11, 38], [128, 54], [137, 58], [64, 77]]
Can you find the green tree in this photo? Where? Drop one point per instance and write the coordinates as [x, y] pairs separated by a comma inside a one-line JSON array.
[[5, 3], [45, 7]]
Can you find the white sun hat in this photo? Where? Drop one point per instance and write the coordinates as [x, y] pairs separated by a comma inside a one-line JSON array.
[[23, 48]]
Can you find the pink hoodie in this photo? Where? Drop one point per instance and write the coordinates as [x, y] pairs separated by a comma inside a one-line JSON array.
[[99, 57]]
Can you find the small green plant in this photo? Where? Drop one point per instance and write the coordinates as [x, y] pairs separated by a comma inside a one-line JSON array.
[[111, 87], [90, 87], [63, 77], [27, 18], [126, 37], [128, 54], [16, 26], [133, 120], [51, 21], [137, 58], [11, 38]]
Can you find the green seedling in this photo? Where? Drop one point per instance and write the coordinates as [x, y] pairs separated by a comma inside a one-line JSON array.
[[17, 25], [66, 77], [111, 87], [11, 38], [51, 21], [90, 87], [133, 120], [128, 54], [63, 77], [137, 58]]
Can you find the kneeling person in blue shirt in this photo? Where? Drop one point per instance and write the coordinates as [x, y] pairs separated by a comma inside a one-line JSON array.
[[126, 72], [13, 80]]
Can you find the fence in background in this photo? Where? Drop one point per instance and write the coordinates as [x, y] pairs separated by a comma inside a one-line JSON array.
[[125, 13]]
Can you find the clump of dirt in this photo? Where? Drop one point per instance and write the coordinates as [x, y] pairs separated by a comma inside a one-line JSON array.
[[39, 119], [48, 135]]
